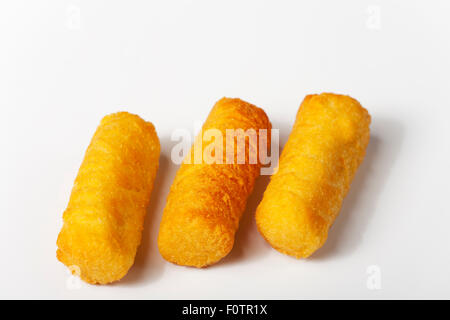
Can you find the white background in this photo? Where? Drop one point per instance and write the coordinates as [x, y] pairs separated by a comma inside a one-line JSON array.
[[66, 64]]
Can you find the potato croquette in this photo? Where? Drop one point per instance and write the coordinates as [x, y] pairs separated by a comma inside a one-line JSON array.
[[325, 148], [206, 200], [104, 219]]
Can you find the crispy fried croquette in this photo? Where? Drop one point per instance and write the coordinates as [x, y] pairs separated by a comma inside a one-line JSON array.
[[104, 219], [325, 148], [207, 199]]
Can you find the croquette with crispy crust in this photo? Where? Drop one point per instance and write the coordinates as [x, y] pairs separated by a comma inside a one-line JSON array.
[[104, 219], [327, 144], [207, 199]]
